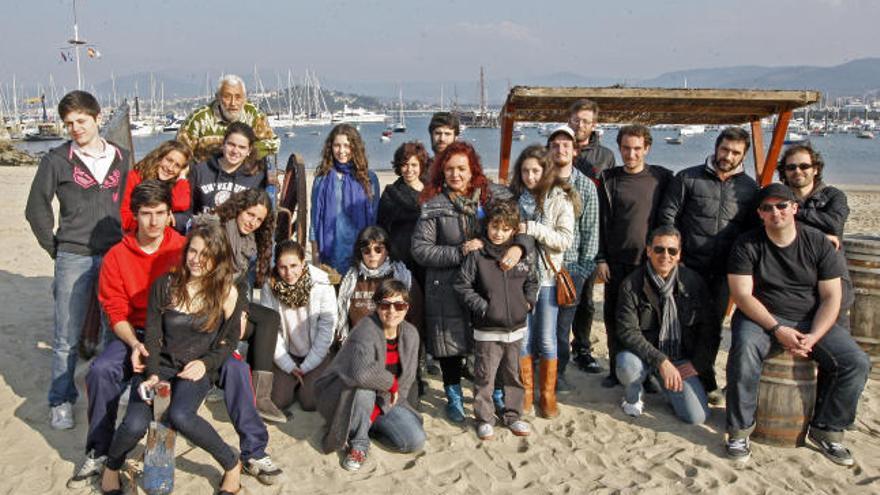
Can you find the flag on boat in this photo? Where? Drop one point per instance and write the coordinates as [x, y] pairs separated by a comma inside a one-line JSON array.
[[93, 52], [65, 57]]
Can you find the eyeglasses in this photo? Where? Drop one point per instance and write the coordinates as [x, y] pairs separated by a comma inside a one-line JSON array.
[[791, 167], [378, 249], [673, 251], [397, 305], [768, 207]]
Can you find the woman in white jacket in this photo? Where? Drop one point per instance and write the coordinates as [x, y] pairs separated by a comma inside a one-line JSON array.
[[305, 300], [549, 206]]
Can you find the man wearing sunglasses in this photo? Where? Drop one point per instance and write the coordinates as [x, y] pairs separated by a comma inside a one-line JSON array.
[[785, 279], [711, 204], [664, 324]]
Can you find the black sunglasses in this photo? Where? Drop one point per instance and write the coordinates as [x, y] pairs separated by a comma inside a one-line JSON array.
[[673, 251], [768, 207], [398, 305], [791, 167], [378, 249]]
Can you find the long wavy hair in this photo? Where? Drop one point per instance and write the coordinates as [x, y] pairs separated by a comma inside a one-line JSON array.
[[241, 201], [358, 156], [213, 286], [436, 179], [549, 178], [148, 167]]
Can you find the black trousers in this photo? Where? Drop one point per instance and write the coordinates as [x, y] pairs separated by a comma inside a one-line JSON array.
[[260, 333]]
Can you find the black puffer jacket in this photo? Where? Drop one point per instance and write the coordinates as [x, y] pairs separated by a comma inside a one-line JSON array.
[[593, 158], [825, 209], [709, 213], [436, 245], [498, 300], [638, 318]]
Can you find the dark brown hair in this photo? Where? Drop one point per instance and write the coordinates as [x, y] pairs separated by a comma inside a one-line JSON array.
[[150, 192], [549, 178], [408, 150], [369, 235], [78, 101], [358, 156], [735, 134], [815, 159], [237, 203], [214, 285], [584, 104], [251, 165], [390, 288], [636, 130], [505, 212], [445, 119]]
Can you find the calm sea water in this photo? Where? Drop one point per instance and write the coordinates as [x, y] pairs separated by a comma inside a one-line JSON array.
[[849, 160]]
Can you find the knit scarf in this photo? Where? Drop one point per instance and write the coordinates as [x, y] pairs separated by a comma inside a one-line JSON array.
[[244, 247], [396, 269], [528, 206], [356, 206], [670, 327], [295, 295], [469, 209]]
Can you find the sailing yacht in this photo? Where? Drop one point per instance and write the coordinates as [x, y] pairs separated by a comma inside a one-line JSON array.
[[400, 125]]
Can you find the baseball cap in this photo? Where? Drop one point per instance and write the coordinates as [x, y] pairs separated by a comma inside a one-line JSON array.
[[563, 129], [776, 190]]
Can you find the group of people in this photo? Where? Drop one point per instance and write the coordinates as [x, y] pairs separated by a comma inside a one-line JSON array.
[[445, 268]]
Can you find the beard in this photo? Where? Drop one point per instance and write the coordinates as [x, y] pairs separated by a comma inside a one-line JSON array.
[[228, 115], [724, 165]]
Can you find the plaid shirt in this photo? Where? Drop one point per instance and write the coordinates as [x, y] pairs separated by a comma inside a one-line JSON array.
[[580, 258]]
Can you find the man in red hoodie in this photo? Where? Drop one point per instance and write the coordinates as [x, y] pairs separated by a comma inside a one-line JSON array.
[[128, 271]]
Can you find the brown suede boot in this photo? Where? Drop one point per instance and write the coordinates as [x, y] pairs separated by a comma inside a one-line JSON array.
[[547, 388], [527, 375], [263, 392]]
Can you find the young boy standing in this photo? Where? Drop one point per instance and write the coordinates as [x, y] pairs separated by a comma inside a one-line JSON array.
[[499, 302]]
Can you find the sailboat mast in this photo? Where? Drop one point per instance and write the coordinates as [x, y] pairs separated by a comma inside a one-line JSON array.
[[76, 44]]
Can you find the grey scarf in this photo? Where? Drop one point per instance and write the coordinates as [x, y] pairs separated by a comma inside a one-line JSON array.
[[244, 247], [396, 269], [670, 327]]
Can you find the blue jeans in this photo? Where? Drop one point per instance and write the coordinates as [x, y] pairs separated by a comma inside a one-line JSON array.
[[540, 338], [400, 429], [843, 371], [691, 405], [74, 283], [182, 415]]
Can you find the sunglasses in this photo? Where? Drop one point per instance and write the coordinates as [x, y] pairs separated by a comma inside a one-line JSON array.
[[791, 167], [768, 207], [673, 251], [378, 249], [398, 305]]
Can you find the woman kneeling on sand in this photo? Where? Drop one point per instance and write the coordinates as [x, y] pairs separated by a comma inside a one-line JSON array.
[[364, 390]]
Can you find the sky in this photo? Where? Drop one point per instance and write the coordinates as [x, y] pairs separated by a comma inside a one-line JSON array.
[[396, 40]]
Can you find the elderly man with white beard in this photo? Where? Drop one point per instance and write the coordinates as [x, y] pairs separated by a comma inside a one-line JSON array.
[[203, 130]]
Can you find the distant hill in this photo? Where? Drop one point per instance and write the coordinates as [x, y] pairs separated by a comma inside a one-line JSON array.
[[855, 78]]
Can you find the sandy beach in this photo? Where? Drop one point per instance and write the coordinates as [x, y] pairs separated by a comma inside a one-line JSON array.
[[592, 447]]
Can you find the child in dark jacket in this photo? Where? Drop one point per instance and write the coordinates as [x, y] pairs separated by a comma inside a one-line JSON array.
[[499, 302]]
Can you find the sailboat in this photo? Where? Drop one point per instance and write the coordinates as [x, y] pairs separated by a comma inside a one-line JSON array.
[[400, 126]]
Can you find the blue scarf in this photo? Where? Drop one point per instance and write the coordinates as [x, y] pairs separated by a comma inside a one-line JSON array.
[[356, 206]]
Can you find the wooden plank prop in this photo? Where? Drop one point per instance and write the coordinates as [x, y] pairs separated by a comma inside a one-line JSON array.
[[293, 209]]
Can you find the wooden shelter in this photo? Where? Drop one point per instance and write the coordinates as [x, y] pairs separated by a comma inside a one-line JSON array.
[[661, 106]]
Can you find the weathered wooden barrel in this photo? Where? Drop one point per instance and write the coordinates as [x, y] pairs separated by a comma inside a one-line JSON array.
[[863, 260], [786, 397]]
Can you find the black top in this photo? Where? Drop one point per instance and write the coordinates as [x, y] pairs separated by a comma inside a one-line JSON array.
[[627, 206], [786, 278]]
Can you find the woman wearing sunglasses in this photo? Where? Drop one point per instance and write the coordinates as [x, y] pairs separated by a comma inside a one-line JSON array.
[[362, 392], [371, 265]]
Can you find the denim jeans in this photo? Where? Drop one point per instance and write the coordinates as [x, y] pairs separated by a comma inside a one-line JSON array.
[[182, 415], [400, 429], [568, 321], [540, 338], [843, 367], [75, 277], [691, 405]]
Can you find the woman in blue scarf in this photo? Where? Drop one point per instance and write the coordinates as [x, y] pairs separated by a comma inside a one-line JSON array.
[[345, 198]]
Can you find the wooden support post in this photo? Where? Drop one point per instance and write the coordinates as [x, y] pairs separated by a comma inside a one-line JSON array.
[[775, 147], [506, 142], [758, 147]]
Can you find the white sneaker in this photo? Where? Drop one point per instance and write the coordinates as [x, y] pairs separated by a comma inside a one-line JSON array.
[[90, 468], [634, 410], [62, 416], [263, 469], [485, 431]]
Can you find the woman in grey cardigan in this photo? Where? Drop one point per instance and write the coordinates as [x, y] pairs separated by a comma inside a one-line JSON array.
[[363, 391]]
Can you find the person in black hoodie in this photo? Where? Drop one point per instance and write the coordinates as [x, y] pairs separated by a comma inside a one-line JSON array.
[[232, 171], [499, 302], [87, 176]]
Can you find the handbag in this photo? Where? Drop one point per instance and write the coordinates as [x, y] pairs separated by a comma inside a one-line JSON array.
[[566, 292]]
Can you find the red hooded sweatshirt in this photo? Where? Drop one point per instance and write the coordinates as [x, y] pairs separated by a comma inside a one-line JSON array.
[[127, 273]]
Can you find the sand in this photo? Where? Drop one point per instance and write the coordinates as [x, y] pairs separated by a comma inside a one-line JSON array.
[[591, 447]]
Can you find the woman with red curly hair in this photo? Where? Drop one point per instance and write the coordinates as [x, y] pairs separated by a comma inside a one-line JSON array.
[[454, 202]]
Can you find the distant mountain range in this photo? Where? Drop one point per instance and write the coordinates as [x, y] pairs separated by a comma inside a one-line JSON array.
[[859, 77]]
